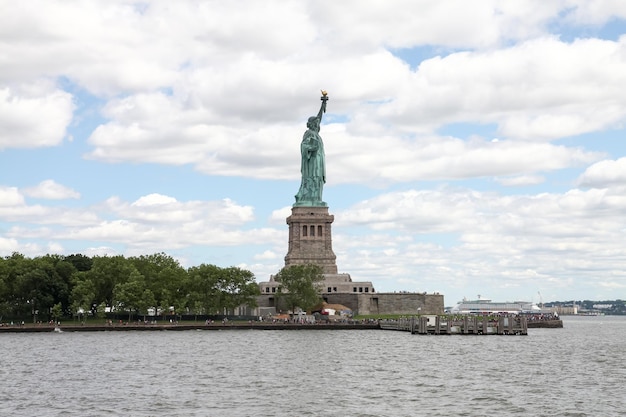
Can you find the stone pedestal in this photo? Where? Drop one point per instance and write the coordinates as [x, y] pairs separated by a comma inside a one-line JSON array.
[[310, 238]]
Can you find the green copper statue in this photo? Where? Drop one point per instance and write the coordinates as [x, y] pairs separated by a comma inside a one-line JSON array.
[[313, 166]]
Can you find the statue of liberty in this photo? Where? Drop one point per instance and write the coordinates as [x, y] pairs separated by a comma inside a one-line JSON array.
[[313, 163]]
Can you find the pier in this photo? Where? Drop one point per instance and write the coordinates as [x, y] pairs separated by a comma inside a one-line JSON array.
[[459, 325]]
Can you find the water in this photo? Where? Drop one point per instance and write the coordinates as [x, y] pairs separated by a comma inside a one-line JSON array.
[[576, 371]]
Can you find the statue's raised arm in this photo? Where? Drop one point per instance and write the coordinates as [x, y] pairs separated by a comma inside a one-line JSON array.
[[324, 99]]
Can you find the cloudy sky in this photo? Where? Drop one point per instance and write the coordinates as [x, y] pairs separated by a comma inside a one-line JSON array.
[[472, 147]]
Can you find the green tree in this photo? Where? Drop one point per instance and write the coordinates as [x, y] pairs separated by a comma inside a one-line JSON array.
[[80, 262], [99, 311], [63, 273], [219, 290], [204, 294], [165, 278], [107, 272], [56, 312], [300, 286], [83, 296], [13, 267], [195, 306], [237, 287], [42, 284], [145, 302], [132, 295], [5, 305]]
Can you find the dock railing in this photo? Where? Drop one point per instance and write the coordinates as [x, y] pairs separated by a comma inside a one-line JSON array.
[[461, 325]]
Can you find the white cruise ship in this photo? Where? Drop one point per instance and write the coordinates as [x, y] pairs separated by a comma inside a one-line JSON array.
[[485, 306]]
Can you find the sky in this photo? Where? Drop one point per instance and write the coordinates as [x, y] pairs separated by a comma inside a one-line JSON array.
[[472, 147]]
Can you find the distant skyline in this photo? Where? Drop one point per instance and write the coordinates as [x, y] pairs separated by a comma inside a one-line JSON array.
[[473, 147]]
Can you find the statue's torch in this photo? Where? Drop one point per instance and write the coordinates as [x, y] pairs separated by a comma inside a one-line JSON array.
[[324, 99]]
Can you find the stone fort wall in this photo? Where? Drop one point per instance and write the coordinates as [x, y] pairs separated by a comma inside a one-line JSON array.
[[389, 303], [409, 303]]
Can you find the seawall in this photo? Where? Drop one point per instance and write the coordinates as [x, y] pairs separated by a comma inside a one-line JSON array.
[[545, 324], [181, 327]]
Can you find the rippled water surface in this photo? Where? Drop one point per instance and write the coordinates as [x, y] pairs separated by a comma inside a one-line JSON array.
[[579, 370]]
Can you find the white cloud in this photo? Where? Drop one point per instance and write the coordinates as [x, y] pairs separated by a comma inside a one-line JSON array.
[[521, 180], [604, 174], [578, 233], [164, 209], [153, 200], [278, 216], [99, 251], [55, 247], [10, 197], [51, 190], [612, 285], [13, 208], [267, 255], [538, 90], [447, 23], [595, 12], [152, 223], [380, 160], [115, 49], [33, 115], [9, 245]]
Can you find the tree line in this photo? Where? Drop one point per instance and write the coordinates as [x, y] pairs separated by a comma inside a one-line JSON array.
[[52, 286]]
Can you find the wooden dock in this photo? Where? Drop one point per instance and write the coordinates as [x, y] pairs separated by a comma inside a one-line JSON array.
[[459, 325]]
